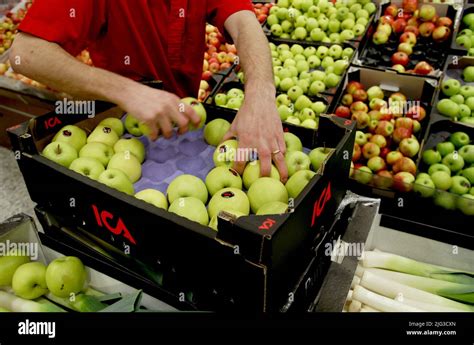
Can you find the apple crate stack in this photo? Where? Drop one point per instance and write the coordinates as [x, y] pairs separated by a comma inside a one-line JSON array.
[[253, 270], [463, 38], [411, 37]]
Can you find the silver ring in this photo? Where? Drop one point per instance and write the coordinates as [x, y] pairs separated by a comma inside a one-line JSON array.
[[276, 152]]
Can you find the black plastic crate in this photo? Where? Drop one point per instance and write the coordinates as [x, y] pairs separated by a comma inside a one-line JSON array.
[[456, 48], [379, 56], [250, 264]]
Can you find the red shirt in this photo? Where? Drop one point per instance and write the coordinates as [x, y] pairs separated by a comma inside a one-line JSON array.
[[140, 39]]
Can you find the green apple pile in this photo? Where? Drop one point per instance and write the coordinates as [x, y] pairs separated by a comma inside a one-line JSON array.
[[320, 20], [31, 280], [103, 155], [450, 176], [238, 195], [458, 103], [465, 37]]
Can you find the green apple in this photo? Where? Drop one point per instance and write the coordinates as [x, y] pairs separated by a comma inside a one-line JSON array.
[[467, 153], [460, 185], [274, 207], [29, 280], [466, 204], [296, 161], [190, 208], [8, 266], [154, 197], [454, 162], [215, 131], [222, 177], [318, 156], [317, 87], [469, 174], [293, 120], [283, 99], [292, 142], [424, 186], [117, 179], [319, 107], [302, 102], [445, 148], [220, 99], [229, 199], [266, 190], [133, 126], [89, 167], [284, 112], [60, 153], [199, 109], [252, 173], [298, 182], [226, 153], [72, 135], [103, 153], [185, 186], [448, 108], [310, 123], [114, 123], [442, 180], [127, 163], [131, 145], [459, 139], [445, 200], [65, 276], [438, 167], [431, 157], [104, 135], [295, 92], [451, 87]]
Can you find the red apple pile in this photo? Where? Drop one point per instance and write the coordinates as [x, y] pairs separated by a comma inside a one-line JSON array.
[[219, 55], [385, 150], [261, 11], [9, 26], [409, 24]]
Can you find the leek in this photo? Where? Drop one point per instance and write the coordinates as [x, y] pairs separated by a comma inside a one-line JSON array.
[[355, 282], [459, 292], [81, 303], [355, 306], [359, 271], [381, 303], [392, 289], [427, 306], [367, 309], [20, 305], [401, 264]]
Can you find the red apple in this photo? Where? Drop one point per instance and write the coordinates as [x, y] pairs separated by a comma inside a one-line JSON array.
[[423, 68], [353, 86], [385, 128], [377, 164], [214, 67], [410, 6], [384, 152], [400, 58], [375, 115], [413, 29], [360, 95], [206, 75], [444, 21], [391, 10], [426, 29], [404, 122], [356, 153], [383, 179], [404, 164], [403, 181], [343, 111], [373, 125], [441, 33], [362, 119], [399, 25], [401, 133], [379, 140], [386, 20], [370, 150], [359, 106], [416, 113]]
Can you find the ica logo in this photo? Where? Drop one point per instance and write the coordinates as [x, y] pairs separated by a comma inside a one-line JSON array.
[[52, 122], [106, 219], [267, 224], [321, 203]]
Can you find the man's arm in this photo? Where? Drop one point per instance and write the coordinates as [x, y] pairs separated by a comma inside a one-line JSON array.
[[257, 125], [50, 64]]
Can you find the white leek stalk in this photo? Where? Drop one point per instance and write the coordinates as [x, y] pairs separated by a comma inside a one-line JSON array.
[[20, 305], [381, 303]]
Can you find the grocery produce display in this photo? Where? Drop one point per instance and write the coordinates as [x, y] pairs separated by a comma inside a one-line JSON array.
[[190, 175], [465, 37], [386, 282], [411, 38]]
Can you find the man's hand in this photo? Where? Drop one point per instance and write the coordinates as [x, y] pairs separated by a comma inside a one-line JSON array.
[[257, 125], [159, 110]]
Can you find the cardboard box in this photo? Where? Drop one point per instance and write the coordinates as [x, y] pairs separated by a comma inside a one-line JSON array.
[[250, 264]]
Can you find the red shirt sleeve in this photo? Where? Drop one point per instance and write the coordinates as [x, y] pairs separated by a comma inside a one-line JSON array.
[[219, 10], [70, 23]]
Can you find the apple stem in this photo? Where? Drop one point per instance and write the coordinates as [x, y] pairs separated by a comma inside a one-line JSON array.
[[58, 149]]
